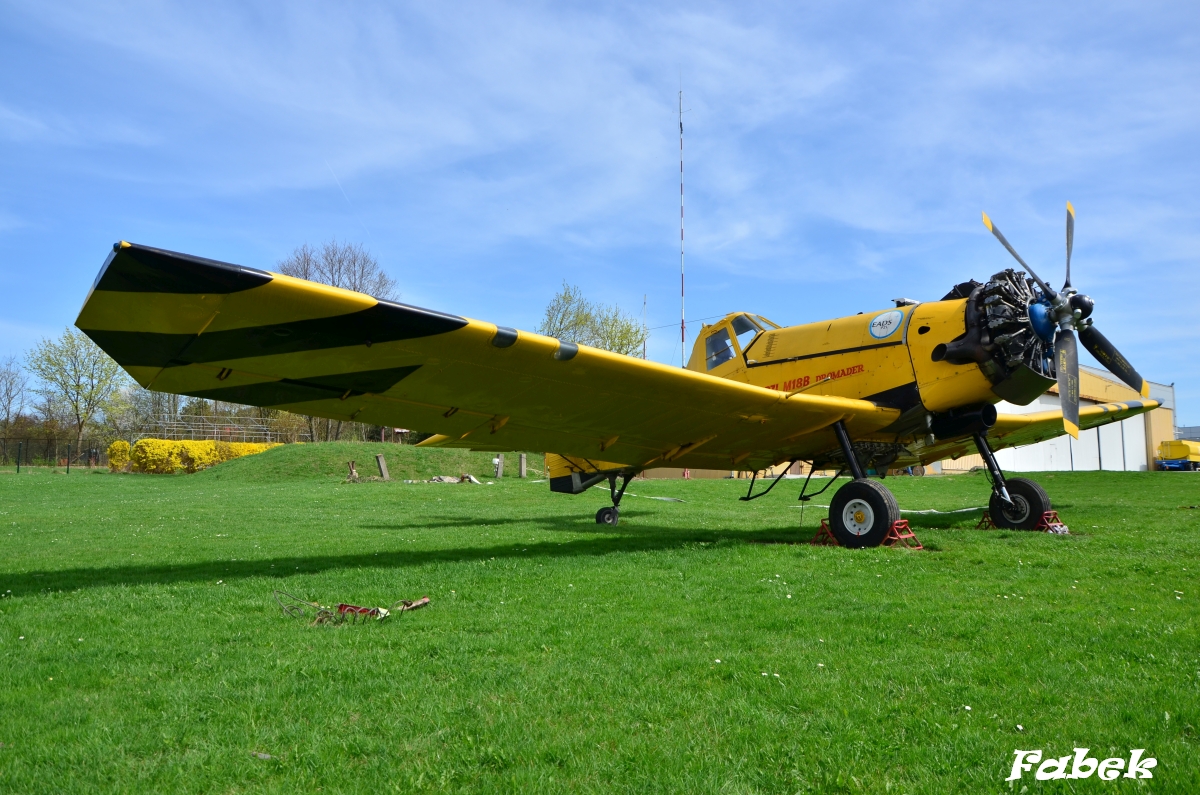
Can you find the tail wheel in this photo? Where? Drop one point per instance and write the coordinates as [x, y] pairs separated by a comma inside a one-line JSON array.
[[861, 513], [1030, 501], [609, 516]]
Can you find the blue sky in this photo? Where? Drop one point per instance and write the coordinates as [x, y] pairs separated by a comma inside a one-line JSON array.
[[838, 154]]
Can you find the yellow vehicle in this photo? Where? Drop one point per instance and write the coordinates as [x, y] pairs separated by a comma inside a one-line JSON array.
[[899, 386], [1179, 455]]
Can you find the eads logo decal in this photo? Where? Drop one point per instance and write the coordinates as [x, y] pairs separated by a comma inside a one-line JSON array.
[[1082, 766], [885, 325]]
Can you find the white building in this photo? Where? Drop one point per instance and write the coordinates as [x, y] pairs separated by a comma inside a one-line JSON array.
[[1126, 446]]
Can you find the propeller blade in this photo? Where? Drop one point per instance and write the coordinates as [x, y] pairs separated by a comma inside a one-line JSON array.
[[1066, 359], [1104, 351], [992, 228], [1070, 241]]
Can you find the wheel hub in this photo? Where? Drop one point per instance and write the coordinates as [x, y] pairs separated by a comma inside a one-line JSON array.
[[858, 517], [1020, 510]]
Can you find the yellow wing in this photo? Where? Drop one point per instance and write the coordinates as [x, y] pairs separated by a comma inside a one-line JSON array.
[[1016, 430], [198, 327]]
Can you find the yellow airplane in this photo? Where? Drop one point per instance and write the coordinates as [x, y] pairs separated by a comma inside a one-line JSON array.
[[891, 388]]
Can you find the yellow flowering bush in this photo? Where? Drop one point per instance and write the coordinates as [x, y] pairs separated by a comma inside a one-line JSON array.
[[166, 456], [118, 455]]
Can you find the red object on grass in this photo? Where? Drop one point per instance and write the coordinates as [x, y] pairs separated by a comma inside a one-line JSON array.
[[1050, 523], [901, 533], [824, 536]]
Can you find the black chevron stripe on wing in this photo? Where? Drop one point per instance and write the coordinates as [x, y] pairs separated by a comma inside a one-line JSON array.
[[142, 269], [289, 391], [384, 322]]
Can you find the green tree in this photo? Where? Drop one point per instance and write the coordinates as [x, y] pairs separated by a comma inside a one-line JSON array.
[[76, 375], [12, 391], [572, 318]]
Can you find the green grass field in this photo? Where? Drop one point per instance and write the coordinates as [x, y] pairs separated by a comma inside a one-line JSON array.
[[141, 649]]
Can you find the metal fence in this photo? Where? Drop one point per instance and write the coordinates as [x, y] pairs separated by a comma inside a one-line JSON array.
[[32, 451], [222, 428]]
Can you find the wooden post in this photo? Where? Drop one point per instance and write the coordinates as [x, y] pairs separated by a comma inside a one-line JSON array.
[[521, 466], [353, 471], [383, 472], [68, 458], [19, 446], [500, 465]]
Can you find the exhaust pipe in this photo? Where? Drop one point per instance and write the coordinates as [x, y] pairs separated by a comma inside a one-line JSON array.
[[963, 422]]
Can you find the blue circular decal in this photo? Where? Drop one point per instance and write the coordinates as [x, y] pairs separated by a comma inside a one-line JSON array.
[[886, 324]]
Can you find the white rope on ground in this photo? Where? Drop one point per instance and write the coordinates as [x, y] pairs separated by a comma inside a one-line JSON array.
[[910, 510], [643, 496]]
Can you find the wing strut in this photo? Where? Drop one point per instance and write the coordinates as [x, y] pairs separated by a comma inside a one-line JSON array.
[[749, 496]]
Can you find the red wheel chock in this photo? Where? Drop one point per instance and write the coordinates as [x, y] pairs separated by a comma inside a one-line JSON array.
[[824, 536], [901, 533], [985, 522], [1050, 523]]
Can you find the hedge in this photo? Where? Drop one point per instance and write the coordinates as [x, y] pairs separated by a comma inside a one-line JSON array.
[[166, 456]]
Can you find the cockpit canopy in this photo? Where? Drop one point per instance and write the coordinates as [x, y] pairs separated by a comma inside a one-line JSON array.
[[719, 341]]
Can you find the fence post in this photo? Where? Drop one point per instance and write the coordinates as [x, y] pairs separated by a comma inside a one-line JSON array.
[[521, 466], [68, 458], [19, 446], [500, 465], [383, 470]]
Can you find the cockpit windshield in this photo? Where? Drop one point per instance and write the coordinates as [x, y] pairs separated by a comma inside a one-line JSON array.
[[745, 328]]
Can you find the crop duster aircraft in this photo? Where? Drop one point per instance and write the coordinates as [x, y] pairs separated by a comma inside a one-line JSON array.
[[896, 387]]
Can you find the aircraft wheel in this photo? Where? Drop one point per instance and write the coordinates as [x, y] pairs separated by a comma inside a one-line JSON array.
[[608, 516], [1030, 501], [861, 512]]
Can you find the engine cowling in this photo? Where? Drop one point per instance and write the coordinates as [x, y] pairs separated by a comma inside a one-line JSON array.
[[1005, 336]]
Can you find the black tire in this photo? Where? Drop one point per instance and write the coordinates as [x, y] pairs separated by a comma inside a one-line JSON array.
[[609, 516], [861, 512], [1031, 502]]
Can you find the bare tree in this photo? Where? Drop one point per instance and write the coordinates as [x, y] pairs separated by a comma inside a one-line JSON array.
[[75, 375], [345, 265], [13, 384], [572, 318]]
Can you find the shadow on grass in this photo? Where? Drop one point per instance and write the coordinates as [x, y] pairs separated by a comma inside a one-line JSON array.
[[634, 539]]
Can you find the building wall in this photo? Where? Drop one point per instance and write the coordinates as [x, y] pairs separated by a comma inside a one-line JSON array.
[[1125, 446]]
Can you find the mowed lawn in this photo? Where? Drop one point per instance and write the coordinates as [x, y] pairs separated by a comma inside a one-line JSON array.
[[699, 646]]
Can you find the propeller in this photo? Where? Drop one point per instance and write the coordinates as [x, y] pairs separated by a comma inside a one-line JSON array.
[[1071, 311]]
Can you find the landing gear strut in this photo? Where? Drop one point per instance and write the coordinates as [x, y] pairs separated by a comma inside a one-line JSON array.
[[612, 515], [1016, 503], [862, 511]]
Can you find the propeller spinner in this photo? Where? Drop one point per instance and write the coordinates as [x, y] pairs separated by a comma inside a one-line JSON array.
[[1058, 315]]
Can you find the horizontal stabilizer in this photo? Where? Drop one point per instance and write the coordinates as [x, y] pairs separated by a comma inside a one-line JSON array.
[[570, 475]]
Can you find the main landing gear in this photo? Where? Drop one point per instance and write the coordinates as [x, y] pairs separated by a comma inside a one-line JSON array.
[[862, 511], [611, 515], [1016, 503]]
